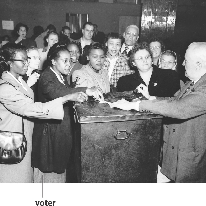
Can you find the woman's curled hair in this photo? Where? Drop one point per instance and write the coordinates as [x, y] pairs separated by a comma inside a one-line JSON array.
[[137, 47]]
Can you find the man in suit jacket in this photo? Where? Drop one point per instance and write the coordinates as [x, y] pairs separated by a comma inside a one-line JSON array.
[[184, 146]]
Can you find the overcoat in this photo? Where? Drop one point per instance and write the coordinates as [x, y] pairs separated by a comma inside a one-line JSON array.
[[184, 147], [52, 139], [17, 103]]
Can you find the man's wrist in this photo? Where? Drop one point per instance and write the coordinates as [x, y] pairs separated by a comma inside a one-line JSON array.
[[135, 105]]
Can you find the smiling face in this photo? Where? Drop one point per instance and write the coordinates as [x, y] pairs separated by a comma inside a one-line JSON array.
[[96, 59], [74, 52], [114, 46], [61, 65], [19, 67], [88, 32], [155, 48], [167, 62], [52, 39], [33, 59], [131, 35], [22, 32], [143, 60]]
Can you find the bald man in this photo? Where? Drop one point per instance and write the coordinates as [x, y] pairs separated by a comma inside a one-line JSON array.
[[131, 35], [184, 147]]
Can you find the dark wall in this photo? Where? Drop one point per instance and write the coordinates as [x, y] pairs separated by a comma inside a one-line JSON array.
[[44, 12], [190, 26], [191, 23]]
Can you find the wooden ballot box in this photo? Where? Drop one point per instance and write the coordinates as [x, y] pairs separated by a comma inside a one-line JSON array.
[[112, 145]]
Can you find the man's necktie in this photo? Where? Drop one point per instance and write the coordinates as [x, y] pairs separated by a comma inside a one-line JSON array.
[[126, 50]]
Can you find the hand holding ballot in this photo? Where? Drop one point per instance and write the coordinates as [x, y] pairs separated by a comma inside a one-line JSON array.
[[144, 90], [125, 105]]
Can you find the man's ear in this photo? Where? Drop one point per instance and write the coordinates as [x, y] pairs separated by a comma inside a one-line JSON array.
[[106, 44], [133, 63], [124, 34], [87, 58], [10, 64], [53, 62]]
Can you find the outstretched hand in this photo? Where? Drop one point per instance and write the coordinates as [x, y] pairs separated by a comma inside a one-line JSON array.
[[77, 97], [93, 91]]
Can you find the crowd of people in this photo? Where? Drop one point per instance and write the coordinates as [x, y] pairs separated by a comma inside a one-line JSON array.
[[43, 75]]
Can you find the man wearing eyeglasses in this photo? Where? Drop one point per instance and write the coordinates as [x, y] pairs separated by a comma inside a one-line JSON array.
[[184, 141]]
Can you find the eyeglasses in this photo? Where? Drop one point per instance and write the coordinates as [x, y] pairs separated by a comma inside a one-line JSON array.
[[132, 34], [142, 59], [24, 61], [154, 47]]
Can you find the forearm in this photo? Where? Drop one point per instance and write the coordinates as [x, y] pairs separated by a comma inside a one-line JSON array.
[[53, 91]]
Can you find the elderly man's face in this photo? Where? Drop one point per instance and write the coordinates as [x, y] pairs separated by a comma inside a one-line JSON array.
[[131, 35], [190, 65]]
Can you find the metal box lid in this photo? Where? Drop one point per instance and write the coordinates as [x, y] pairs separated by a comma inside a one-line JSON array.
[[88, 112]]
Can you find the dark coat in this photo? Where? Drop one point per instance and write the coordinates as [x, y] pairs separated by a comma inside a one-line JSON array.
[[184, 148], [163, 83], [52, 139]]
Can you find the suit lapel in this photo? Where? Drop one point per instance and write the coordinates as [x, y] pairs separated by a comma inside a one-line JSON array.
[[186, 90], [189, 89]]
